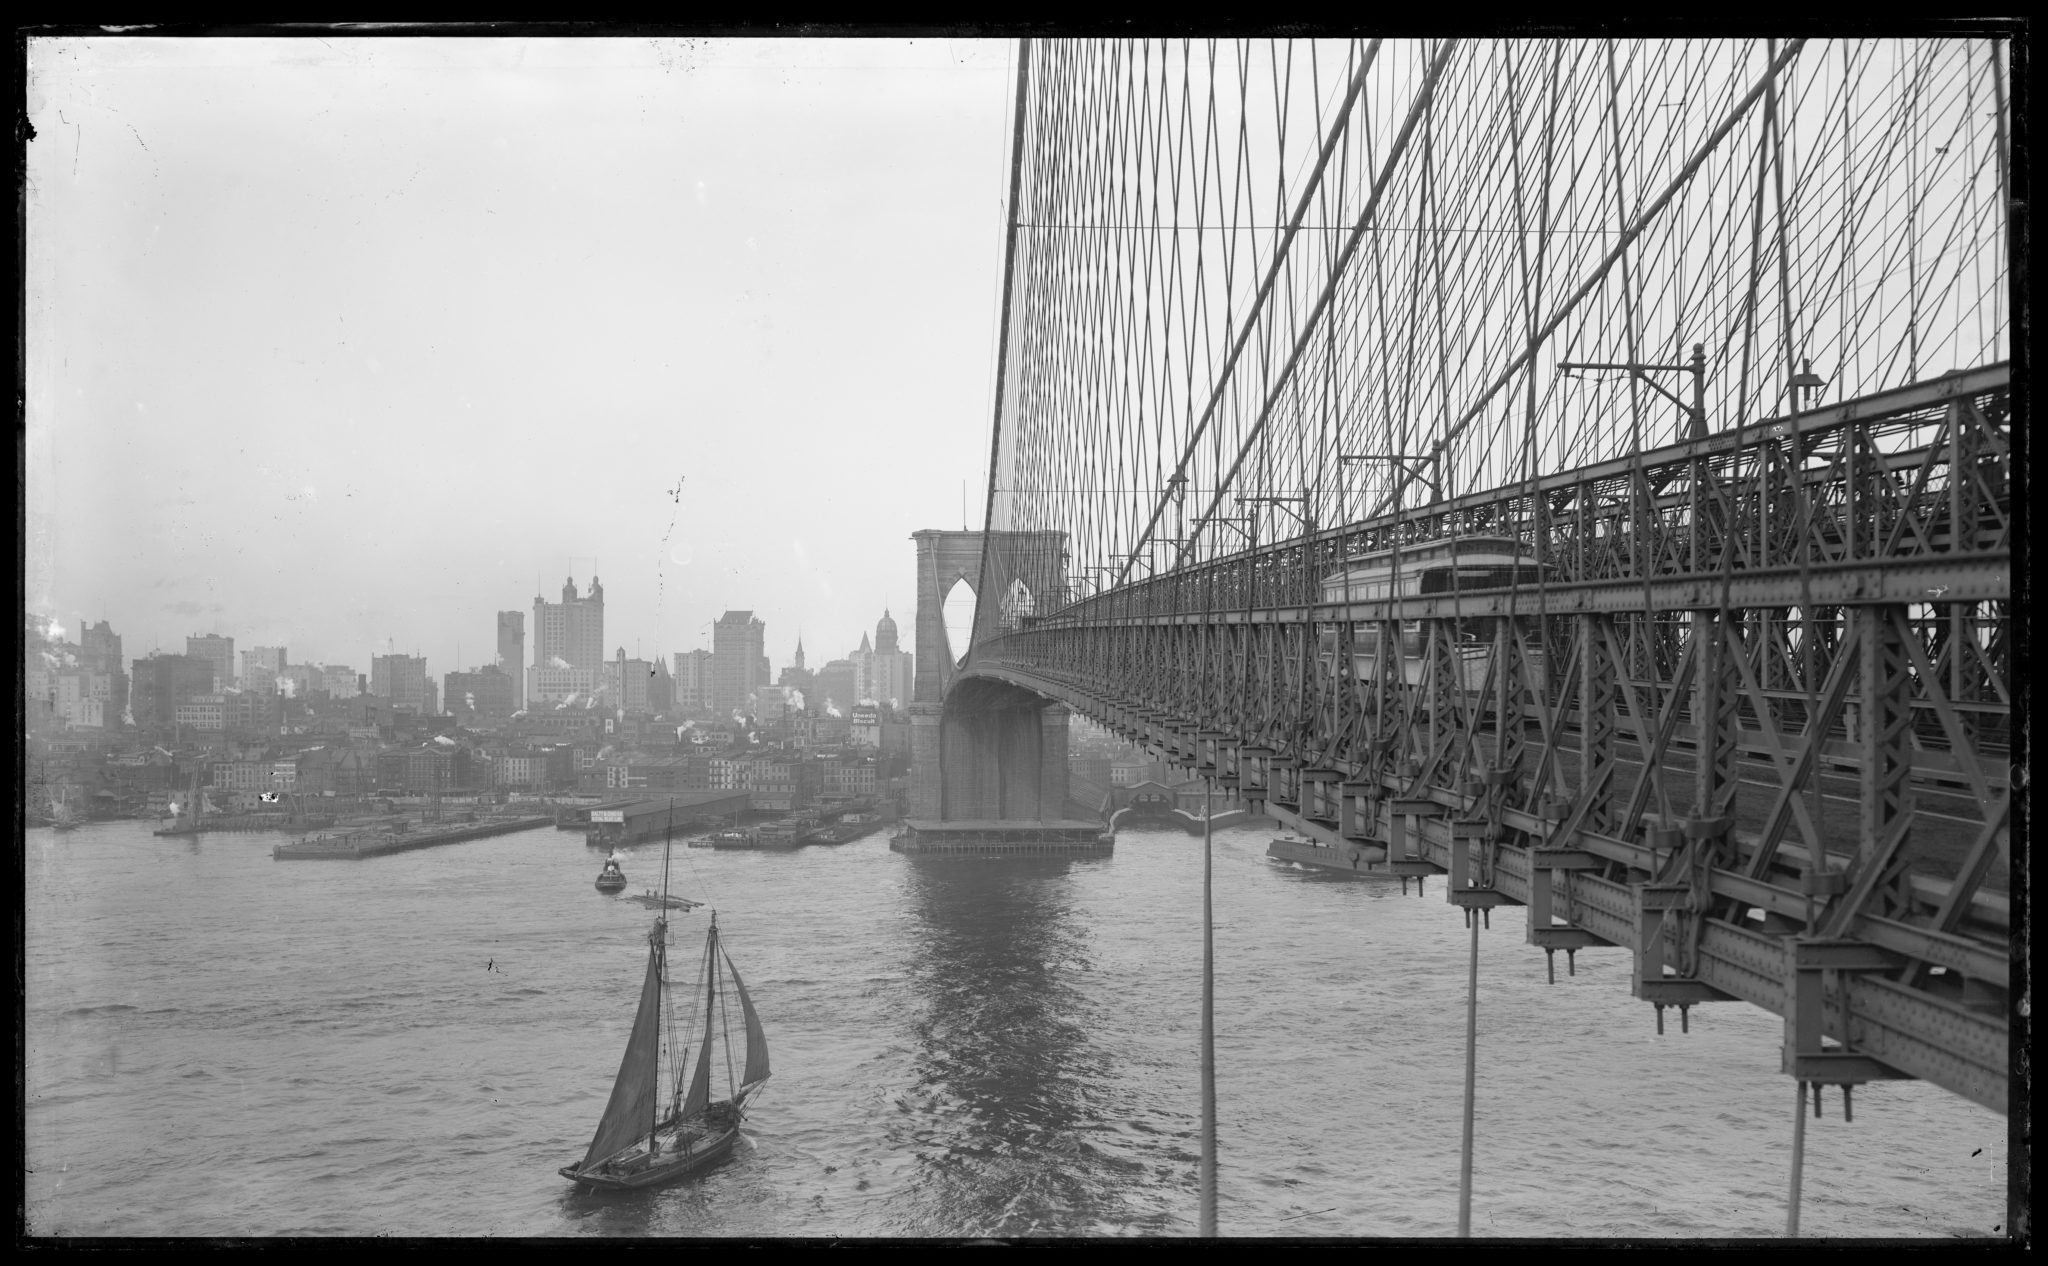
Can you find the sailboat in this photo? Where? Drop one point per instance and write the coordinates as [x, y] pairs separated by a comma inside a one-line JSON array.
[[62, 816], [186, 821], [638, 1144]]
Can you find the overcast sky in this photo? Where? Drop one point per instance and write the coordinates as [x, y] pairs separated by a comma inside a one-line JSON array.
[[335, 341]]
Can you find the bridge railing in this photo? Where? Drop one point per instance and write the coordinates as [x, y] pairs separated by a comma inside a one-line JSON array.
[[1915, 474]]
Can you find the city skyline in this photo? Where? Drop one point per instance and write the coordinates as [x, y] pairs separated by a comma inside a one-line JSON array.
[[68, 629], [306, 373]]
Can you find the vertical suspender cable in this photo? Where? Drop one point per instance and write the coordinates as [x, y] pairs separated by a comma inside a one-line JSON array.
[[1798, 1162], [1471, 1078], [1208, 1172]]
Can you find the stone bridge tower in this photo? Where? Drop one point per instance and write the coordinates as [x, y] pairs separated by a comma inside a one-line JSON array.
[[982, 750]]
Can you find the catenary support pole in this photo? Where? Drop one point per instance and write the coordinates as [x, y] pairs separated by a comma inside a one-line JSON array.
[[1471, 1079], [1208, 1173], [1798, 1161]]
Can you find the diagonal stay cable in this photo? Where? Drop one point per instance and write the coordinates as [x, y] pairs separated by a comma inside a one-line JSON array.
[[1404, 475], [1279, 260], [1423, 95]]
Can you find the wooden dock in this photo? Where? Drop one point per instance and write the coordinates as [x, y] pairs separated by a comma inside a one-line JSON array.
[[356, 846]]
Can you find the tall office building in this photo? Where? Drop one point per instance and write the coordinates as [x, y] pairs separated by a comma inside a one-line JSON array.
[[260, 667], [737, 662], [512, 653], [482, 696], [162, 682], [693, 680], [884, 673], [403, 680], [220, 651], [100, 648], [568, 645], [625, 683], [340, 681]]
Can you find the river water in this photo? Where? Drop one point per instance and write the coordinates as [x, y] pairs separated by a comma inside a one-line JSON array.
[[218, 1044]]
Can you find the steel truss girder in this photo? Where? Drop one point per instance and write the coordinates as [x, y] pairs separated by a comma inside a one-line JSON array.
[[1890, 1021], [1719, 605], [1963, 1049]]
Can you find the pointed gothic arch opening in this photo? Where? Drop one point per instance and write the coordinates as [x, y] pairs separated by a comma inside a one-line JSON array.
[[1016, 603], [959, 612]]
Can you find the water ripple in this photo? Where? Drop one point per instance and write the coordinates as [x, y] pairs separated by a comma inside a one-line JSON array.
[[962, 1048]]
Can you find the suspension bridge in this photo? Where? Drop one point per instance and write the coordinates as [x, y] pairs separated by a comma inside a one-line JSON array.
[[1582, 470]]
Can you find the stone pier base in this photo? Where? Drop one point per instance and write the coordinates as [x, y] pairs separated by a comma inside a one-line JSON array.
[[992, 838]]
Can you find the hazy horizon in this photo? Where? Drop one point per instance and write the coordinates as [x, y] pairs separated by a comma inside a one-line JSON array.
[[346, 344]]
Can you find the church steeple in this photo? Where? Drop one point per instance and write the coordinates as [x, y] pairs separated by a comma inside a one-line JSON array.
[[799, 652]]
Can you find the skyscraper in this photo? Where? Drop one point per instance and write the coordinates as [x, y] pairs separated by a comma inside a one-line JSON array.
[[625, 683], [482, 696], [100, 647], [512, 653], [403, 680], [162, 682], [220, 651], [890, 669], [260, 667], [568, 645], [736, 659], [693, 680], [882, 673]]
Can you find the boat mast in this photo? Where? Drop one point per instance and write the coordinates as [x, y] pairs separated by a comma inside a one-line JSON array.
[[710, 994], [661, 978], [660, 938], [667, 838]]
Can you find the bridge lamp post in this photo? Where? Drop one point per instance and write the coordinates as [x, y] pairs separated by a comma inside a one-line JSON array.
[[1697, 367], [1804, 386], [1177, 485]]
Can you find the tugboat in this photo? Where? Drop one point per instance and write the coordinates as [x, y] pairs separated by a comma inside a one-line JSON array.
[[611, 878]]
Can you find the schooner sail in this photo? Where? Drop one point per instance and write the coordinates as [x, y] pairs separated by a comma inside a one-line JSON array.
[[630, 1113], [636, 1146]]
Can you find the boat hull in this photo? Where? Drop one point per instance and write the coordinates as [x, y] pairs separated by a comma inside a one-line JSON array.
[[1351, 856], [617, 1175]]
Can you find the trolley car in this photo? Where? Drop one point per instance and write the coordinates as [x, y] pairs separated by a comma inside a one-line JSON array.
[[1462, 564]]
